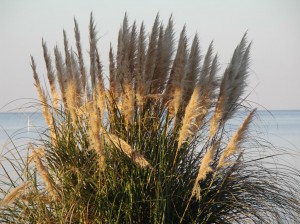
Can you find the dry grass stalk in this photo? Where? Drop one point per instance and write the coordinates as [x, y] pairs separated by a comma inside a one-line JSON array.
[[139, 73], [101, 100], [94, 132], [122, 55], [214, 122], [151, 55], [175, 102], [14, 194], [80, 58], [77, 80], [128, 103], [206, 68], [99, 71], [41, 197], [68, 60], [60, 73], [46, 110], [178, 71], [163, 59], [193, 69], [205, 104], [92, 51], [132, 51], [157, 82], [204, 169], [100, 88], [191, 112], [212, 81], [195, 112], [112, 71], [126, 148], [36, 156], [234, 144], [51, 76], [71, 100], [232, 86], [166, 54], [140, 99], [193, 117], [119, 65]]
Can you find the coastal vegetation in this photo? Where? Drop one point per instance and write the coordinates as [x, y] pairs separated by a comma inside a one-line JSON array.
[[149, 144]]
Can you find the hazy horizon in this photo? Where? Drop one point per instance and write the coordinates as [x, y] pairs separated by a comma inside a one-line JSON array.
[[272, 25]]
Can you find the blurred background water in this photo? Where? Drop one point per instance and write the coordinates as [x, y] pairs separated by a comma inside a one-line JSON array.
[[20, 127], [278, 128], [282, 127]]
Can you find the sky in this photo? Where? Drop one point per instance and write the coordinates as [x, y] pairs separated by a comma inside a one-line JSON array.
[[273, 26]]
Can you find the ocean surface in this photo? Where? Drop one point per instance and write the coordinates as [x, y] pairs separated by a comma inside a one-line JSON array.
[[278, 128]]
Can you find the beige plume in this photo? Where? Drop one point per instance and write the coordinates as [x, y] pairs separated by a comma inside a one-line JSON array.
[[14, 194], [204, 169], [127, 149], [236, 140]]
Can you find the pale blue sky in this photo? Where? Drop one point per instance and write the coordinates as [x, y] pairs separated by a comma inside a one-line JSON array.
[[273, 26]]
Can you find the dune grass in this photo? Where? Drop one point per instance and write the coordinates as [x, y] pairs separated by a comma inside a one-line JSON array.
[[150, 144]]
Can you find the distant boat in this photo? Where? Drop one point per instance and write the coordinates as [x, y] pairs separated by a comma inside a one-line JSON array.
[[29, 124]]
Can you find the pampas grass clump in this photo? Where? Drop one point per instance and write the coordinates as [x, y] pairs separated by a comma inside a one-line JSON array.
[[150, 144]]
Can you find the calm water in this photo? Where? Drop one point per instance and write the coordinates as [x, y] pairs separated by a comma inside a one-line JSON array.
[[281, 128], [19, 127]]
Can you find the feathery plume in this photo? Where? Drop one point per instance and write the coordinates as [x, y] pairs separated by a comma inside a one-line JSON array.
[[141, 59], [193, 117], [164, 55], [51, 76], [157, 83], [126, 148], [177, 73], [71, 99], [232, 86], [76, 79], [207, 93], [92, 52], [212, 83], [44, 175], [94, 132], [119, 75], [167, 50], [60, 73], [175, 103], [123, 66], [205, 104], [80, 57], [128, 103], [204, 169], [14, 194], [68, 62], [99, 70], [151, 55], [234, 144], [112, 71], [100, 89], [192, 73], [206, 67], [191, 112], [46, 111], [132, 51]]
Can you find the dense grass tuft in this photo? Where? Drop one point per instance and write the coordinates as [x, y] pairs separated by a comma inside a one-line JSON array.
[[151, 146]]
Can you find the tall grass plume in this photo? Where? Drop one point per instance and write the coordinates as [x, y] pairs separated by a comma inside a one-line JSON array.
[[152, 143]]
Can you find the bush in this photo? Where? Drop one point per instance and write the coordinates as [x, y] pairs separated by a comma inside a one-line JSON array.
[[150, 144]]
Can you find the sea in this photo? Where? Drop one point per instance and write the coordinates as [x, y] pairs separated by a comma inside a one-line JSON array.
[[276, 129]]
